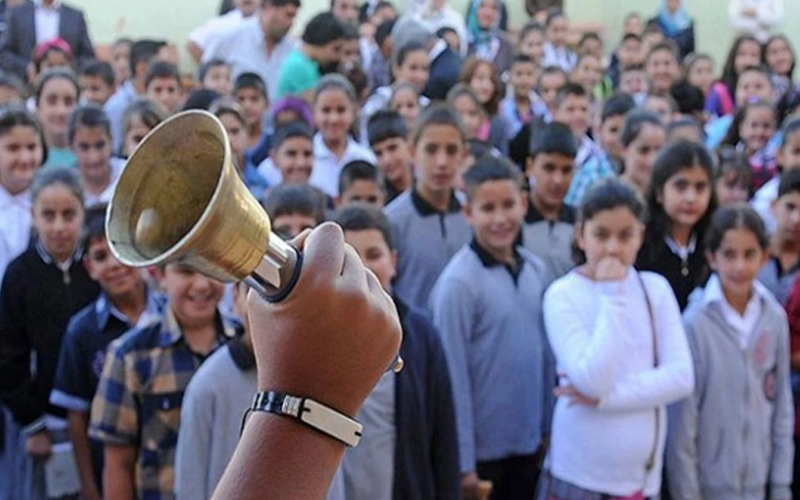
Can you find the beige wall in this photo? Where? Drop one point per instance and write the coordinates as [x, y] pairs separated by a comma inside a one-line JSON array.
[[173, 19]]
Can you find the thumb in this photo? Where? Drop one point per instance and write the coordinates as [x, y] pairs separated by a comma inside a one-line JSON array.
[[324, 252]]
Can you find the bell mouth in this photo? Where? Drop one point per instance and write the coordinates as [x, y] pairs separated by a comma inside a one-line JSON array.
[[166, 189]]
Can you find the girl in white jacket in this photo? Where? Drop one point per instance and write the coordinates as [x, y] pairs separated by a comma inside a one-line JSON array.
[[621, 356]]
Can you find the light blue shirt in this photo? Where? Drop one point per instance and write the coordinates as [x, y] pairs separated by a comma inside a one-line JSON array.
[[244, 49], [299, 74], [115, 109], [61, 157]]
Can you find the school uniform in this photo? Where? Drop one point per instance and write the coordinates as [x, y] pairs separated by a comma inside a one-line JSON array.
[[684, 268], [762, 202], [115, 167], [793, 314], [489, 315], [549, 240], [15, 219], [83, 352], [392, 192], [409, 450], [211, 421], [425, 239], [777, 280], [327, 167], [732, 438], [115, 108], [559, 56], [445, 67], [37, 299]]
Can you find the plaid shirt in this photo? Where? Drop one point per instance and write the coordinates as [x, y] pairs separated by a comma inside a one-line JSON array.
[[138, 401], [596, 168]]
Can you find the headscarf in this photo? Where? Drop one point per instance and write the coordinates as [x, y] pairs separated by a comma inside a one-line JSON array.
[[674, 23], [481, 38], [292, 103]]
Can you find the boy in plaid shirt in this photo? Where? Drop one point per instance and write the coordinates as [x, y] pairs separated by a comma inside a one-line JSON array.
[[136, 411]]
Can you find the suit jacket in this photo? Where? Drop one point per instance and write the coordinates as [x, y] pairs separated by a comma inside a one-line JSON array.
[[19, 39], [444, 74]]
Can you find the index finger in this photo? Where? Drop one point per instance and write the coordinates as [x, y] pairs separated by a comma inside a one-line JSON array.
[[299, 241]]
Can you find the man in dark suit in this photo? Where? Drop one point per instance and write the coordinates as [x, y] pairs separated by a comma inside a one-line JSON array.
[[35, 22], [445, 64]]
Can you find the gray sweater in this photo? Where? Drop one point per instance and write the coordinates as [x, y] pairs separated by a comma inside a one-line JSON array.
[[733, 437], [551, 241], [211, 419], [501, 367], [425, 239]]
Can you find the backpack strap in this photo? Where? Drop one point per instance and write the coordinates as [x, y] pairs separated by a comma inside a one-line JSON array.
[[725, 100]]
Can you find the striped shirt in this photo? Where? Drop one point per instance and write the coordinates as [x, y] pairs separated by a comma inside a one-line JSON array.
[[138, 400]]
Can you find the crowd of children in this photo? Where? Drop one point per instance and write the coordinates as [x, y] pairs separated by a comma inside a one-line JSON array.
[[593, 253]]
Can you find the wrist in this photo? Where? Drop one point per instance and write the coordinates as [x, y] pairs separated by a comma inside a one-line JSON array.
[[327, 421], [313, 387]]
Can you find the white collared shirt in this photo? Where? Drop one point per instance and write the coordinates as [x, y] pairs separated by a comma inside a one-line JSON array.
[[683, 253], [116, 165], [560, 56], [437, 49], [204, 35], [115, 109], [244, 49], [15, 221], [327, 167], [46, 20], [270, 172], [743, 325]]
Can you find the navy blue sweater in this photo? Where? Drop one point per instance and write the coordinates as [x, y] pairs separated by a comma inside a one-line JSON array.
[[37, 301], [426, 453]]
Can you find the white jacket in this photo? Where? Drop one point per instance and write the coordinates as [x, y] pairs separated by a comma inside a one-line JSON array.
[[768, 15], [602, 339]]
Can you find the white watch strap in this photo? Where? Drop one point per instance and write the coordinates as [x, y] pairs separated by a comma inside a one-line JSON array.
[[312, 413]]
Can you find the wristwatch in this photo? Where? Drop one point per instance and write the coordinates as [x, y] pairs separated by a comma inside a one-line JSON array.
[[309, 412]]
